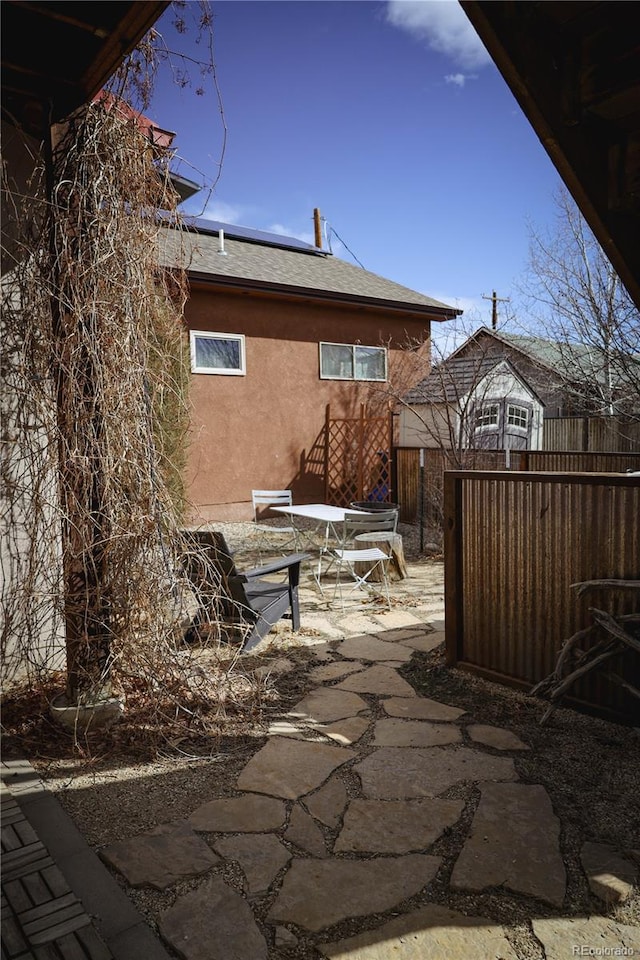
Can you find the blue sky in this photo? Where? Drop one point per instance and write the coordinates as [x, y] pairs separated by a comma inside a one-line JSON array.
[[388, 116]]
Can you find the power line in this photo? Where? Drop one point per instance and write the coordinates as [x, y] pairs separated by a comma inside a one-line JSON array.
[[335, 233]]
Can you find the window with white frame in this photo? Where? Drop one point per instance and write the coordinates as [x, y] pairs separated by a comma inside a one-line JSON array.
[[487, 415], [517, 416], [346, 361], [222, 353]]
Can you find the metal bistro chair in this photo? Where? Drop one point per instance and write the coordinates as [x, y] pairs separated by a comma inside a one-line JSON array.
[[262, 500], [344, 557]]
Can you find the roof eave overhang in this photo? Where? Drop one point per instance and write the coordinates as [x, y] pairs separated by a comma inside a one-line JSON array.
[[581, 147], [36, 94], [418, 311]]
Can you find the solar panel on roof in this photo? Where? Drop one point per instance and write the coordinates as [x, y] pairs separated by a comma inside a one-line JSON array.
[[234, 232]]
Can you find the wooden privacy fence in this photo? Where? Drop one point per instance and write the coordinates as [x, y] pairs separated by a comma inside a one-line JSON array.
[[436, 461], [591, 433], [514, 544]]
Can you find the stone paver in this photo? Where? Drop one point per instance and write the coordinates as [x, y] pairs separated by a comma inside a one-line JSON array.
[[496, 737], [327, 804], [426, 642], [275, 668], [358, 623], [342, 731], [261, 857], [406, 772], [327, 704], [318, 893], [373, 648], [431, 933], [582, 936], [304, 832], [383, 681], [335, 670], [290, 769], [250, 812], [393, 732], [395, 826], [405, 634], [514, 842], [611, 876], [346, 731], [393, 619], [421, 708], [320, 623], [213, 923], [161, 857]]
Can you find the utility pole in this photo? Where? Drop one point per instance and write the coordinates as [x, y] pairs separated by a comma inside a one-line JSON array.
[[495, 300]]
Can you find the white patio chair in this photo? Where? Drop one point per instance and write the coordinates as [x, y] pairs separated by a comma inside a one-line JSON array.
[[270, 533], [345, 558]]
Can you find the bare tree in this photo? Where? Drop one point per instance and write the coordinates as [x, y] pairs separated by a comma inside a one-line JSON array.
[[457, 402], [583, 310]]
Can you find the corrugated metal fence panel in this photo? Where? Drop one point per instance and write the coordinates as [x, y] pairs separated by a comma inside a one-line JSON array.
[[522, 539]]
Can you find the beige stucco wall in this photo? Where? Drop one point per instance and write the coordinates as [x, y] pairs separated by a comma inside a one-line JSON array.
[[265, 429]]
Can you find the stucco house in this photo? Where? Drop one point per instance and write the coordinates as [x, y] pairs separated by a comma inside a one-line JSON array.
[[284, 337], [471, 402]]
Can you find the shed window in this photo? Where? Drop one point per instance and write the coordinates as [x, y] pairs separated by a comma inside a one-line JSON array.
[[221, 353], [517, 416], [487, 415], [345, 361]]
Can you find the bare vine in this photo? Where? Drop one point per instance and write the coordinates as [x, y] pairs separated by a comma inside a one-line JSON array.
[[95, 416]]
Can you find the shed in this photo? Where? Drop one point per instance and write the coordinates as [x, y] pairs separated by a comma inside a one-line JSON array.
[[472, 402]]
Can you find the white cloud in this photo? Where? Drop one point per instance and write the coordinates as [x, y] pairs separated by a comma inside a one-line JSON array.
[[305, 235], [211, 208], [457, 79], [443, 26]]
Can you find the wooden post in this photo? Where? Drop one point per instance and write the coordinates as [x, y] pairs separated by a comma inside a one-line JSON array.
[[327, 432], [317, 228], [453, 582]]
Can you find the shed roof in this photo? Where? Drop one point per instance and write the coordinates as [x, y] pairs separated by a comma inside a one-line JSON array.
[[268, 262], [456, 377]]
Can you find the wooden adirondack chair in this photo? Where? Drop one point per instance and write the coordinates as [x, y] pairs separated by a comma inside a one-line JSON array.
[[245, 599]]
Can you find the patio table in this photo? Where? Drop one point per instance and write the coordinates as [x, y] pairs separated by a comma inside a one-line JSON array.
[[323, 514]]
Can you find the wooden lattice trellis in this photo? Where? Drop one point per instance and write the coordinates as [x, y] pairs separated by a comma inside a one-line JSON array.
[[357, 458]]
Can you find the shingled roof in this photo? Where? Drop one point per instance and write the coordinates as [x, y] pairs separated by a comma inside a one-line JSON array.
[[453, 379], [568, 361], [267, 262]]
